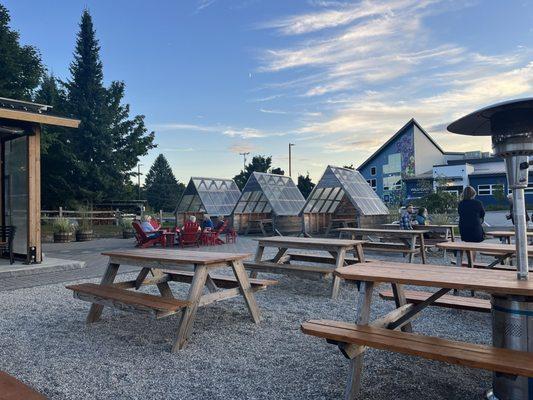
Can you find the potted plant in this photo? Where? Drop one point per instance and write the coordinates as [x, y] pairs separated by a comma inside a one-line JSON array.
[[62, 230], [84, 230], [127, 228]]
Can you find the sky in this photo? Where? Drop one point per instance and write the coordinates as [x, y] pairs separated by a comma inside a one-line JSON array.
[[216, 78]]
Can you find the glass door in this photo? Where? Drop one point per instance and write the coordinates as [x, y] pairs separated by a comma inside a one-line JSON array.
[[16, 191]]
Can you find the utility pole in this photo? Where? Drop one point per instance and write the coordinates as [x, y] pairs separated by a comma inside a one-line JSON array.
[[290, 159], [244, 161], [139, 179]]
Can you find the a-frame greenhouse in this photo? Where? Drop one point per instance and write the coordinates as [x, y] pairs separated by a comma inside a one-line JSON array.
[[268, 202], [342, 198], [212, 196]]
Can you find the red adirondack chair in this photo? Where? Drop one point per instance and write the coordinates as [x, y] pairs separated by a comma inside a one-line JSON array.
[[190, 234], [217, 232], [143, 240], [155, 223]]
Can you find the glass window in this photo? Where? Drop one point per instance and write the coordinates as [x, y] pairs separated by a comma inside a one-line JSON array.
[[373, 171], [394, 164], [484, 190]]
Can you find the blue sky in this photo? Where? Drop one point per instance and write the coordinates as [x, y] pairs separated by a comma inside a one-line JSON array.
[[337, 78]]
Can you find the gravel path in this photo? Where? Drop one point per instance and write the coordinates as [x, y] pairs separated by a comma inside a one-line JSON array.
[[44, 342]]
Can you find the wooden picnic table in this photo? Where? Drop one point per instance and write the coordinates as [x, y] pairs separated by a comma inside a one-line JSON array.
[[341, 222], [501, 252], [260, 224], [282, 262], [382, 333], [167, 265], [411, 241], [505, 236]]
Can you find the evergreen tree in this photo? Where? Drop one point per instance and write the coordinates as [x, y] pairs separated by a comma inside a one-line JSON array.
[[161, 186], [277, 171], [58, 163], [20, 66], [108, 143], [258, 164], [305, 185], [349, 166]]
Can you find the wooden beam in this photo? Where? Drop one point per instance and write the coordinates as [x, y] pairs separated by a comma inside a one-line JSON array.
[[34, 193], [38, 118]]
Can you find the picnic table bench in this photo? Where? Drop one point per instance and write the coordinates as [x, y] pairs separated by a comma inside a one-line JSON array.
[[340, 222], [402, 241], [383, 334], [166, 266], [283, 262], [505, 236], [13, 389]]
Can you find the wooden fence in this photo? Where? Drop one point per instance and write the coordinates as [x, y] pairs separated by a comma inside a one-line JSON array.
[[109, 217]]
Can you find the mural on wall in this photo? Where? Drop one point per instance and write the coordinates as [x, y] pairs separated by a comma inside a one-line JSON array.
[[400, 165]]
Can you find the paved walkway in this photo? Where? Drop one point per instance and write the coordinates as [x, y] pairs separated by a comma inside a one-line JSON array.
[[90, 252]]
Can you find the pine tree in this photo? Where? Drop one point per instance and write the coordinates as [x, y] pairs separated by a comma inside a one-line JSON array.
[[108, 143], [58, 163], [277, 171], [20, 66], [305, 185], [161, 186], [258, 164]]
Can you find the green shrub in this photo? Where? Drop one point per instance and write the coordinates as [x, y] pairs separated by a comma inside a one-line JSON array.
[[125, 223], [62, 225]]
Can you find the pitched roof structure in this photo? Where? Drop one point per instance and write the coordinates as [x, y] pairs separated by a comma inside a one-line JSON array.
[[214, 196], [337, 182], [270, 193]]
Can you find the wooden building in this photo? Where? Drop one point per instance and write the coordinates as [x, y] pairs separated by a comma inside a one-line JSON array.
[[342, 197], [268, 203], [20, 154]]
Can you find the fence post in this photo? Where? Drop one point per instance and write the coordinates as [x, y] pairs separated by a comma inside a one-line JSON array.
[[117, 217], [161, 216], [60, 212]]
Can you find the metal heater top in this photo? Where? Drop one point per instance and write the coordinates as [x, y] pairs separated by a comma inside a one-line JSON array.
[[508, 118]]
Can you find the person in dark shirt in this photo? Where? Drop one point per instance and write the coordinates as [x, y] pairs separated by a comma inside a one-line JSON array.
[[471, 216]]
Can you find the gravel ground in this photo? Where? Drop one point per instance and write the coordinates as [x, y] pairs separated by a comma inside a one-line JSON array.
[[44, 342]]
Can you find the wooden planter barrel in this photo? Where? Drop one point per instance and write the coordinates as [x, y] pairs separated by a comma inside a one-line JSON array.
[[62, 237], [128, 234], [84, 236]]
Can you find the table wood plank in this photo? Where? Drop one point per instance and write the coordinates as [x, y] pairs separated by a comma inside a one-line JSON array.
[[388, 232], [502, 282], [178, 257], [500, 248], [292, 242]]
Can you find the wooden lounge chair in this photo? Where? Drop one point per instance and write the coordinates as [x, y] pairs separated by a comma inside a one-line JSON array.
[[190, 235], [217, 232], [143, 240]]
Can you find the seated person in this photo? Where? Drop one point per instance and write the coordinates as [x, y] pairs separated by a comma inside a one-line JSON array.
[[220, 222], [147, 228], [422, 217], [207, 224], [192, 219], [405, 220]]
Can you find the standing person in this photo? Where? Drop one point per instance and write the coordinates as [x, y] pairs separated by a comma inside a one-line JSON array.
[[510, 215], [405, 220], [471, 216], [422, 216]]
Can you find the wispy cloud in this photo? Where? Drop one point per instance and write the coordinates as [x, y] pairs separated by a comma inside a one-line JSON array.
[[202, 4], [241, 148], [245, 133]]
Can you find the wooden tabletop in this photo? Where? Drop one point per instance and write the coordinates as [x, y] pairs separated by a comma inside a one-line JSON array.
[[178, 257], [291, 240], [505, 233], [440, 276], [483, 246], [396, 232]]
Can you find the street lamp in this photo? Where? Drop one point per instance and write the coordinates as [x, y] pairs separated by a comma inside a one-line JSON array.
[[139, 178], [244, 159], [290, 159]]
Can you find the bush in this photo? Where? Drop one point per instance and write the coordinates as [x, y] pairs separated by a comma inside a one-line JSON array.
[[62, 225], [125, 223], [439, 202]]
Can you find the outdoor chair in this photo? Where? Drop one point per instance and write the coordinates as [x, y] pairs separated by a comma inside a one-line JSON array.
[[217, 232], [231, 236], [143, 240], [6, 244], [190, 234]]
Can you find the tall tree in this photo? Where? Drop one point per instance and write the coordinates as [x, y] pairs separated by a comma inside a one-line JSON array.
[[258, 164], [161, 186], [277, 171], [108, 142], [20, 66], [58, 162], [305, 185]]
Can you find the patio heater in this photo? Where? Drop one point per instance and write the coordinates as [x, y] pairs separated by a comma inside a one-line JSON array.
[[511, 126]]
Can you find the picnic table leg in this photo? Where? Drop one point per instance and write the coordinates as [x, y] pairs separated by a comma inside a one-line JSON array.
[[187, 315], [400, 300], [360, 253], [412, 248], [341, 255], [330, 225], [109, 276], [279, 255], [258, 256], [246, 289], [163, 287], [422, 249], [362, 317]]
